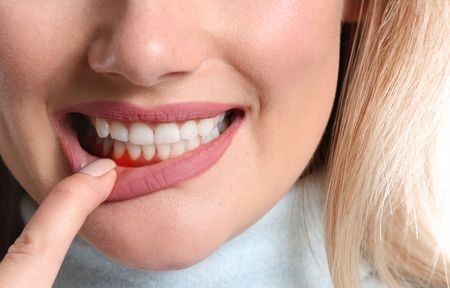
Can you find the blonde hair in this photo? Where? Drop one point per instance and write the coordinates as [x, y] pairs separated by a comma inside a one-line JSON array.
[[385, 203]]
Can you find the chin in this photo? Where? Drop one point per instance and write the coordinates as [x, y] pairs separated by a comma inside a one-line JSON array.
[[179, 241], [177, 254]]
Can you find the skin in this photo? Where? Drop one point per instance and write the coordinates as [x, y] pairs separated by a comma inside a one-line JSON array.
[[279, 59]]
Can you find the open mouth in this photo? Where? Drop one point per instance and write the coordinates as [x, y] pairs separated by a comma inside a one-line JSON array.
[[154, 149], [136, 144]]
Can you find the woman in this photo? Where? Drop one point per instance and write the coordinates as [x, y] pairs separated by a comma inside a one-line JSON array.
[[212, 111]]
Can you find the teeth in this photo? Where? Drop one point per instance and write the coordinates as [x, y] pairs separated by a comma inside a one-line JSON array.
[[163, 151], [223, 124], [141, 134], [178, 148], [134, 150], [205, 126], [149, 151], [167, 140], [119, 149], [192, 144], [220, 117], [167, 133], [206, 139], [107, 145], [119, 131], [215, 133], [188, 130], [102, 127]]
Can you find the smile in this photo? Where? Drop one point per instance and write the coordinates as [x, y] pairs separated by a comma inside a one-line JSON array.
[[154, 148]]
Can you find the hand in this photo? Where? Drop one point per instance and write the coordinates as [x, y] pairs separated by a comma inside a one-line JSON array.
[[36, 256]]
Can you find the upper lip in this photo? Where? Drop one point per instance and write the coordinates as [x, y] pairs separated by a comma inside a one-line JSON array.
[[164, 113]]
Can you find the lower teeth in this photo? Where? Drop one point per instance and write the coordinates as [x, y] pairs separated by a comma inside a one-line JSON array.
[[127, 154]]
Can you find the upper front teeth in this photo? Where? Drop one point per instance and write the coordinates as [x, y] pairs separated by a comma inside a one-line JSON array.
[[188, 130], [205, 126], [167, 133], [140, 133], [118, 131]]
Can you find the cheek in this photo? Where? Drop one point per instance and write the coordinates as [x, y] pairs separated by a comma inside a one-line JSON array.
[[30, 70], [282, 41], [290, 50], [36, 57]]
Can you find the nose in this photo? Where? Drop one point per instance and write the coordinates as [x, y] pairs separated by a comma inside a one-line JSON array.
[[147, 45]]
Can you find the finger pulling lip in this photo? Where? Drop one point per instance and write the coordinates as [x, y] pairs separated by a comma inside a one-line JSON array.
[[134, 182]]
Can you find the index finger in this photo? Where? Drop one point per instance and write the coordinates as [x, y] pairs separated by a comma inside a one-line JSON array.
[[36, 256]]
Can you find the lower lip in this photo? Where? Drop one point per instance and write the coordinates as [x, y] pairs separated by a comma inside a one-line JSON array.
[[134, 182]]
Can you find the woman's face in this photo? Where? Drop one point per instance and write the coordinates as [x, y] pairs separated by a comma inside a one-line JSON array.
[[276, 62]]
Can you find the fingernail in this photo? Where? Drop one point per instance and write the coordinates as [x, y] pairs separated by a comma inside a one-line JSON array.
[[98, 167]]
